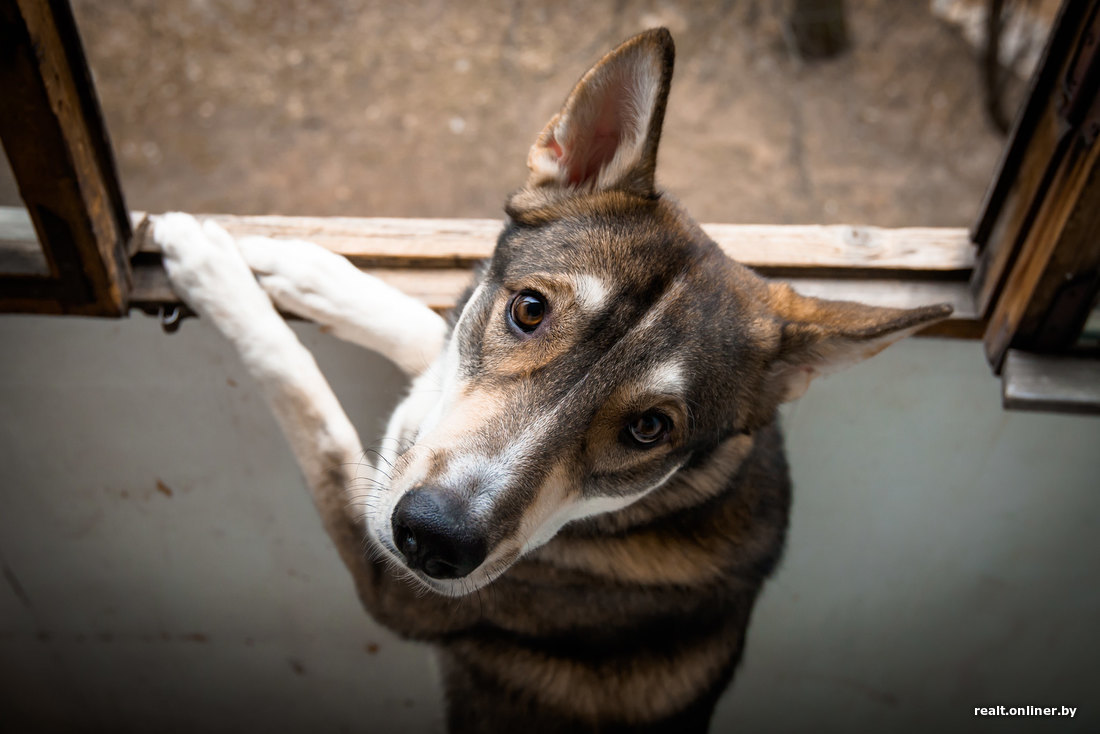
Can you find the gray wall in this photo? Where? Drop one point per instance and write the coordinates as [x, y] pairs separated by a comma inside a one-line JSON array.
[[164, 570]]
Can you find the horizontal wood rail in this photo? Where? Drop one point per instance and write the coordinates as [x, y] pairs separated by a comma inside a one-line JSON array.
[[430, 259], [460, 243]]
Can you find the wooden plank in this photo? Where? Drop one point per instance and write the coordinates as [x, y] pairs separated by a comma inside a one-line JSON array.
[[430, 259], [932, 251], [773, 249], [439, 288], [1018, 212], [1063, 31], [1050, 290], [1039, 141], [1051, 383], [55, 142]]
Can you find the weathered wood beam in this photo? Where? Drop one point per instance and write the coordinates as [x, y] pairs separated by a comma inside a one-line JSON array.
[[430, 259], [1038, 273], [936, 252], [55, 141], [1054, 281]]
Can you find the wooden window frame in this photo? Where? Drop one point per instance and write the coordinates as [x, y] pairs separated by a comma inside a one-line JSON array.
[[1037, 273], [57, 146], [102, 263], [431, 259]]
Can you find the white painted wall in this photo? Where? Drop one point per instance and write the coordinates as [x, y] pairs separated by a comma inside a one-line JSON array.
[[943, 554]]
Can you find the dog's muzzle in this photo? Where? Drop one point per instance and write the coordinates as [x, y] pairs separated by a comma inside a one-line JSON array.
[[433, 531]]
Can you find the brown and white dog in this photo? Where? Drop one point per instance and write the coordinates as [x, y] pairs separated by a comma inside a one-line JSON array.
[[594, 437]]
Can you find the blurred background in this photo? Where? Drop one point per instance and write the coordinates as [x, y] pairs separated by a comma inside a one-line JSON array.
[[426, 109], [163, 569]]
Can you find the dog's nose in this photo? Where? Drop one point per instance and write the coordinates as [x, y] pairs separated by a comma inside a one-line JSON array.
[[431, 530]]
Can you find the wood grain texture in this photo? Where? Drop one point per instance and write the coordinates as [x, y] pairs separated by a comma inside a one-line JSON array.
[[450, 243], [1055, 276], [1033, 178], [431, 259], [58, 152], [1029, 161]]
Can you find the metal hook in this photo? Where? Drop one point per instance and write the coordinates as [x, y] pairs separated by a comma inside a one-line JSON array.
[[170, 318]]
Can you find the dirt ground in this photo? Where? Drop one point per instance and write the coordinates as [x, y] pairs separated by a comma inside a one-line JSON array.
[[370, 108]]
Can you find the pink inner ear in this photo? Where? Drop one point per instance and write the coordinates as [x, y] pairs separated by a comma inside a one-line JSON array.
[[593, 148]]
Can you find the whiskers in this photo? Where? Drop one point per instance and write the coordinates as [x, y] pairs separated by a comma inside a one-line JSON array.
[[372, 476], [377, 553]]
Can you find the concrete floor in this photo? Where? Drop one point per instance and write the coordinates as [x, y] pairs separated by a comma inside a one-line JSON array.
[[165, 571]]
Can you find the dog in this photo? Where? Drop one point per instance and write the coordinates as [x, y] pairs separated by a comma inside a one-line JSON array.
[[585, 489]]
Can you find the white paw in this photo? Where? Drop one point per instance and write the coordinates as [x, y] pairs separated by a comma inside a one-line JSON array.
[[325, 287], [311, 269], [204, 266]]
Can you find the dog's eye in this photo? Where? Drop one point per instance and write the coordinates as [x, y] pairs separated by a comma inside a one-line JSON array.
[[527, 311], [649, 428]]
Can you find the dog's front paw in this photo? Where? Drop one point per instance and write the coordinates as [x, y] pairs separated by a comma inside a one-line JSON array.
[[305, 261], [311, 281], [206, 269], [302, 276]]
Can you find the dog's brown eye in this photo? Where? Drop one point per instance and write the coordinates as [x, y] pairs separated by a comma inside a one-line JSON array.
[[527, 311], [649, 428]]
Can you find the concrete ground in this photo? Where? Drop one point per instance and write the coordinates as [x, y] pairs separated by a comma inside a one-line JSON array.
[[427, 109]]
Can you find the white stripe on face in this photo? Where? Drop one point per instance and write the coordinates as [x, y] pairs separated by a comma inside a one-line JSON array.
[[668, 378], [590, 291], [450, 366], [564, 514]]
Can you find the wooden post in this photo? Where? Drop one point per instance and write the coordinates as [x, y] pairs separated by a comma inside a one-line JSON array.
[[57, 146], [1038, 271]]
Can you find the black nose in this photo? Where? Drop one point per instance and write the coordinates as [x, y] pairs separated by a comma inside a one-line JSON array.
[[432, 530]]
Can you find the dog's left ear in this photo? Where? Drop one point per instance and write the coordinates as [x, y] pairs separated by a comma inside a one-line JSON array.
[[606, 135], [820, 337]]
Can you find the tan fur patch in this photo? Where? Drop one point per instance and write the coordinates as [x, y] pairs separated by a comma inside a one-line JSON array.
[[472, 409], [653, 686], [657, 557], [689, 488]]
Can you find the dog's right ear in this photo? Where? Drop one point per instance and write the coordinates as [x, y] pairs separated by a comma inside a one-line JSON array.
[[606, 135], [819, 337]]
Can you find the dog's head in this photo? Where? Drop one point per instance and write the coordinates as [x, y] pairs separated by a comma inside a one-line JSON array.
[[607, 344]]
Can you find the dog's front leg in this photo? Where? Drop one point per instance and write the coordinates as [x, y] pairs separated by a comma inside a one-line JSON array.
[[209, 273], [306, 279]]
